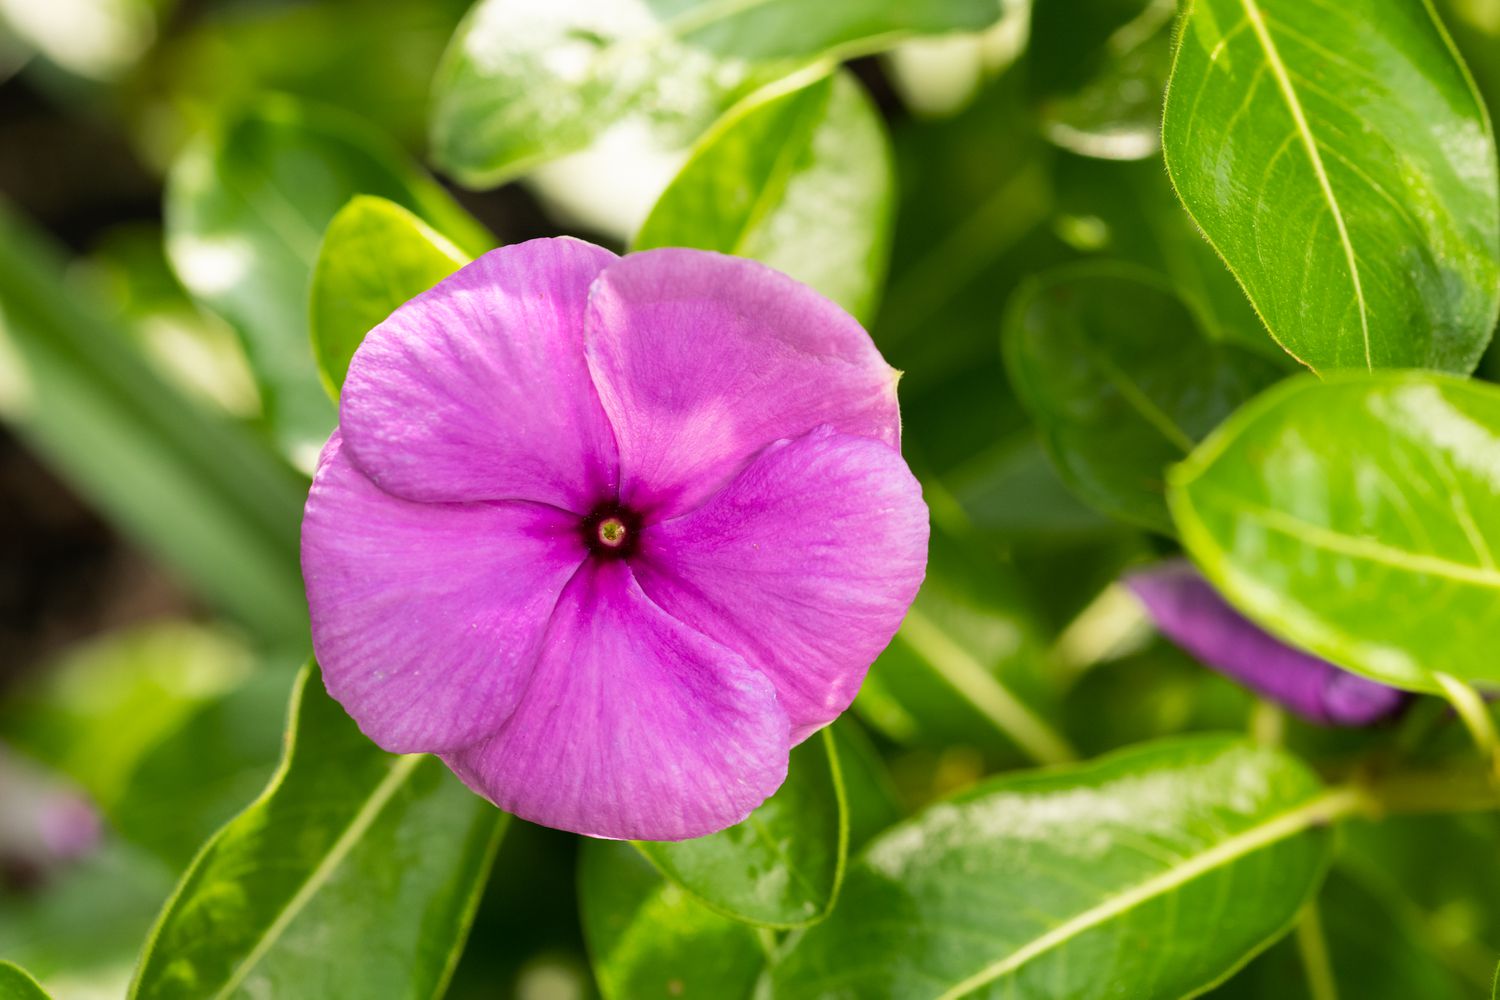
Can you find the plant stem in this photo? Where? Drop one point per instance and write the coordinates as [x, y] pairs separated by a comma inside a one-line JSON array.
[[1313, 948], [1475, 715]]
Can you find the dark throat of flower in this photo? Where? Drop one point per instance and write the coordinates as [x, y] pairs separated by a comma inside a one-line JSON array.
[[611, 531]]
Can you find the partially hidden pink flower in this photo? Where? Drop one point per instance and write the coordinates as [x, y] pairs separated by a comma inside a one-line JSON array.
[[611, 534]]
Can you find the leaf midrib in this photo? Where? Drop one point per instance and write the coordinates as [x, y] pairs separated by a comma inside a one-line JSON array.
[[1322, 809], [400, 771], [1310, 144]]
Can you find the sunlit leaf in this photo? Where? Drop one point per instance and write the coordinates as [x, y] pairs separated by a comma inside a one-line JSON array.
[[1047, 885], [246, 208], [1357, 518], [1339, 159], [375, 256], [350, 850], [1121, 382], [15, 984], [801, 181], [526, 81]]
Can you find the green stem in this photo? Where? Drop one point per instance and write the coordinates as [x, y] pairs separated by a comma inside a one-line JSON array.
[[1475, 715], [1313, 948]]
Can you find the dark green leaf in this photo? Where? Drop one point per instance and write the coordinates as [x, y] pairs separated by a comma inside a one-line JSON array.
[[1121, 382], [649, 938], [526, 81], [246, 208], [375, 256], [799, 180], [1050, 884], [782, 866], [15, 984], [1340, 160], [1357, 518], [350, 851], [1099, 68], [197, 491], [967, 666]]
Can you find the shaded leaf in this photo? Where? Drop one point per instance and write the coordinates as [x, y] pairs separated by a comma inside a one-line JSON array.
[[202, 494], [374, 257], [15, 984], [1357, 518], [1340, 160], [1121, 382], [800, 181], [649, 938], [1051, 884], [350, 850], [782, 866], [526, 81]]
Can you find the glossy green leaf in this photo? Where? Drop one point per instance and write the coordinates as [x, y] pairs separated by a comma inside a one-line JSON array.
[[375, 256], [799, 180], [15, 984], [526, 81], [782, 866], [350, 851], [1339, 159], [649, 938], [200, 493], [246, 207], [1121, 382], [1358, 518], [1099, 69], [1050, 884]]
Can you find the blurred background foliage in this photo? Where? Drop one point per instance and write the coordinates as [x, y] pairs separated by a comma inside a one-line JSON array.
[[167, 168]]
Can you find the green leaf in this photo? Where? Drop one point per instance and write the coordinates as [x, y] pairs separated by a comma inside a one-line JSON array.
[[350, 851], [782, 866], [527, 81], [1098, 69], [1050, 884], [200, 493], [1358, 518], [246, 208], [15, 984], [1339, 159], [1121, 382], [799, 180], [967, 666], [649, 938], [375, 256]]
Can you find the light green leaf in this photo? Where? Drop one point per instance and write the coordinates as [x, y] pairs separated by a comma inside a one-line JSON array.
[[526, 81], [1357, 518], [15, 984], [246, 208], [782, 866], [200, 493], [375, 256], [798, 180], [1047, 885], [1339, 159], [649, 938], [1121, 382], [350, 851], [1099, 68]]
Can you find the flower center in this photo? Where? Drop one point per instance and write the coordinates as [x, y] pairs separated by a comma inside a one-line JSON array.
[[611, 531]]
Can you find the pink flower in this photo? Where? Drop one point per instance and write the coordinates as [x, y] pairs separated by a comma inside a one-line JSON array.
[[610, 535]]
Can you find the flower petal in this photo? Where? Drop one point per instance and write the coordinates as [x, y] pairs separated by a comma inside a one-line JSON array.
[[701, 360], [477, 388], [633, 726], [1190, 612], [805, 565], [426, 618]]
